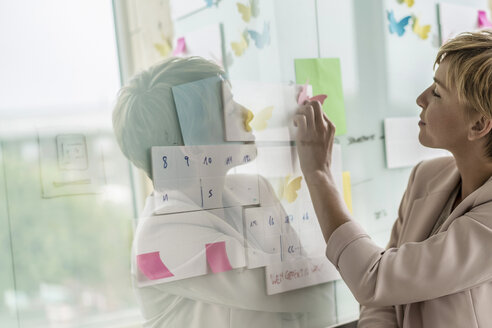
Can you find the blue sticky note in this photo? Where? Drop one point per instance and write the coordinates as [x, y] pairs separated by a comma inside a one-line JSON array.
[[199, 107]]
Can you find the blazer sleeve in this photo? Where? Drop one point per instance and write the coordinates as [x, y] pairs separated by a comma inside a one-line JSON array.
[[449, 262], [446, 263], [385, 316]]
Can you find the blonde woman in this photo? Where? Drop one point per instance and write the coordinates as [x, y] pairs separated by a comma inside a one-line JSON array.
[[437, 269]]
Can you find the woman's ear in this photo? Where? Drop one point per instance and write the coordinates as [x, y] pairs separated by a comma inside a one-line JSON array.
[[480, 128]]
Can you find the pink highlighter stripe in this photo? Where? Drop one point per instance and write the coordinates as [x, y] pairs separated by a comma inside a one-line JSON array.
[[152, 267], [217, 257]]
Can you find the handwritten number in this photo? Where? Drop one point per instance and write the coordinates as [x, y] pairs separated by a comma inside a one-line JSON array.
[[207, 160], [164, 159], [187, 159]]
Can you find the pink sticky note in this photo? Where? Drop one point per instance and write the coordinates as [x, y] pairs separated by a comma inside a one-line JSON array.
[[320, 98], [303, 96], [483, 20], [217, 257], [152, 267], [180, 47]]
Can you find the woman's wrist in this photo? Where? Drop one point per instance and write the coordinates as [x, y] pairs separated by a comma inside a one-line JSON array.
[[317, 177]]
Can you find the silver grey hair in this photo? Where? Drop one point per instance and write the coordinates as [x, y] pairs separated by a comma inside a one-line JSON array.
[[145, 114]]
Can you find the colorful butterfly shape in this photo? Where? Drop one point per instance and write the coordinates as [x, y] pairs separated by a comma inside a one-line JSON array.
[[288, 189], [248, 11], [397, 27], [163, 48], [240, 47], [409, 3], [260, 120], [247, 118], [263, 39], [303, 96], [421, 31]]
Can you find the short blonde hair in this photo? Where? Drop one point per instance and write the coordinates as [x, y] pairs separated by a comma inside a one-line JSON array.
[[469, 58]]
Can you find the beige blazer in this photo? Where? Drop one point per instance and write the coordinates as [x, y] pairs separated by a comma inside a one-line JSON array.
[[441, 281]]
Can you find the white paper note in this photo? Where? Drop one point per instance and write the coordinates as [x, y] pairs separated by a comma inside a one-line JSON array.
[[403, 148], [455, 19], [299, 273]]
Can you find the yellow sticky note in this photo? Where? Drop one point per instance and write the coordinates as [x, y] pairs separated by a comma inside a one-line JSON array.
[[347, 191]]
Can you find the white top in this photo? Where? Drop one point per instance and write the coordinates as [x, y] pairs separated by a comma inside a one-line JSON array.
[[235, 298]]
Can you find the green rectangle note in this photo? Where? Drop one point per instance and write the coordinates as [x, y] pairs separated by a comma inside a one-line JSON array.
[[325, 76]]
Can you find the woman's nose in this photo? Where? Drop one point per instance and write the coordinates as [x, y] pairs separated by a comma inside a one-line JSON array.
[[421, 99]]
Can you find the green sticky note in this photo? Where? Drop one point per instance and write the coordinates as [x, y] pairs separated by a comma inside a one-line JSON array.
[[325, 76]]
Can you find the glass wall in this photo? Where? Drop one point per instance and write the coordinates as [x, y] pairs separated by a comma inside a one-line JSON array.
[[66, 202]]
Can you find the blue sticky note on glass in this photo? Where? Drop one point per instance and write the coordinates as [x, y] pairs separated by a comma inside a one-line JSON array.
[[199, 107]]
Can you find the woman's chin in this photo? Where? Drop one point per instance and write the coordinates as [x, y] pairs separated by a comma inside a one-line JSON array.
[[423, 141]]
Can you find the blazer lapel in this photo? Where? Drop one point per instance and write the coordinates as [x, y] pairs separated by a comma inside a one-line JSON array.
[[479, 196], [426, 210], [423, 216]]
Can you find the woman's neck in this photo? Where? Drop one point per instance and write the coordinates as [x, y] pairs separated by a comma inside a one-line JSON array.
[[475, 169]]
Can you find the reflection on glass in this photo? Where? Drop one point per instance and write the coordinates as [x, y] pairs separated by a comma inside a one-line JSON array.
[[227, 238], [65, 194]]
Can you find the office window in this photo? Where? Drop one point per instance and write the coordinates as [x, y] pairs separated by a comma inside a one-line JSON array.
[[66, 202]]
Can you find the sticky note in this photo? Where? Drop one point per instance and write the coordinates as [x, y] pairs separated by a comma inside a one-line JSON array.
[[152, 267], [454, 19], [298, 273], [347, 190], [303, 96], [217, 257], [180, 47], [199, 107], [325, 77], [403, 148], [483, 20]]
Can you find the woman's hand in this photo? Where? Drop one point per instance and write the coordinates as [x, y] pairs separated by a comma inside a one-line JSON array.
[[315, 135]]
